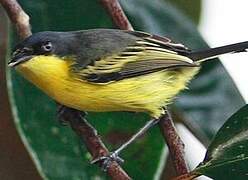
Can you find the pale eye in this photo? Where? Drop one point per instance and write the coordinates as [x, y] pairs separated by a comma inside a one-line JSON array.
[[47, 47]]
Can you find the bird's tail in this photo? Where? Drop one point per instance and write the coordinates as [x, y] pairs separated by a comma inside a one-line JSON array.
[[211, 53]]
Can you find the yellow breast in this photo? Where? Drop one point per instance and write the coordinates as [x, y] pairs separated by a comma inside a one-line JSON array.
[[147, 93]]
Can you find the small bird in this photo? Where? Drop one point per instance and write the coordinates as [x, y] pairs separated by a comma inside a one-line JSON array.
[[111, 70]]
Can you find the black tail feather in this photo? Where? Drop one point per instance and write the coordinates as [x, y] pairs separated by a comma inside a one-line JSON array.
[[213, 52]]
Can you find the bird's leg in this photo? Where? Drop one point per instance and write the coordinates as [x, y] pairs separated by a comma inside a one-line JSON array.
[[142, 131], [113, 156]]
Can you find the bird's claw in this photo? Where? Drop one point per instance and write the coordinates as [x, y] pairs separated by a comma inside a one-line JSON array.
[[107, 160], [63, 111], [60, 111]]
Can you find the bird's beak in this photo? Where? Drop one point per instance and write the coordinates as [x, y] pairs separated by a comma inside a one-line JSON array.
[[19, 57]]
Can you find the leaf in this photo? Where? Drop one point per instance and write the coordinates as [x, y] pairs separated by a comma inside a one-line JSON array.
[[227, 155], [192, 9]]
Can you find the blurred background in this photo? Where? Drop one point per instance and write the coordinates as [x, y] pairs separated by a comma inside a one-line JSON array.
[[224, 24], [57, 153]]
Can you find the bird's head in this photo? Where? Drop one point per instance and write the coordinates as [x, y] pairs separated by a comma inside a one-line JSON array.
[[43, 43]]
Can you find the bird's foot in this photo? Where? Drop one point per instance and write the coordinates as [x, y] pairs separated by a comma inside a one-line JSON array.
[[60, 112], [63, 112], [107, 160]]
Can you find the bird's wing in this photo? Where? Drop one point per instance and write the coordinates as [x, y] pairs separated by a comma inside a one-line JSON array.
[[148, 54]]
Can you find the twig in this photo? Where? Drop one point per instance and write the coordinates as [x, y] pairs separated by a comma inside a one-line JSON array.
[[166, 124], [92, 141], [18, 17], [174, 142], [116, 13], [188, 176], [81, 127]]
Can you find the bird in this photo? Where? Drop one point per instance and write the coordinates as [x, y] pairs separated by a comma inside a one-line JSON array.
[[100, 70]]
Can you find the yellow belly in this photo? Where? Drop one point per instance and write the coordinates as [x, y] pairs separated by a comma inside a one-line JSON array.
[[148, 93]]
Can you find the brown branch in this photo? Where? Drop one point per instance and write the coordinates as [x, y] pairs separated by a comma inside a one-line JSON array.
[[188, 176], [80, 126], [175, 144], [92, 141], [115, 11], [17, 17]]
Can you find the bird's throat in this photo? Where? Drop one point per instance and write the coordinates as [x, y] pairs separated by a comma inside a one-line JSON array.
[[45, 72]]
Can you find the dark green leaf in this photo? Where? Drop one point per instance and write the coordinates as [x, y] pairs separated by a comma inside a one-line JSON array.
[[227, 155], [192, 8]]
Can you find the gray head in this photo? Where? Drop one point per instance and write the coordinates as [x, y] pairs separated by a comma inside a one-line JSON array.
[[85, 46], [44, 43]]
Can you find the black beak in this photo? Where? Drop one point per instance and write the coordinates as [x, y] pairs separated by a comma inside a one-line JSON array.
[[19, 57]]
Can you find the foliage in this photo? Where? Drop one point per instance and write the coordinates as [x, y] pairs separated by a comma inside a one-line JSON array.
[[227, 155]]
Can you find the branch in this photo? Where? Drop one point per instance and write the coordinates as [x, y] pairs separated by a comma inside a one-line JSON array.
[[92, 141], [166, 124], [188, 176], [18, 17], [174, 142], [116, 13], [80, 126]]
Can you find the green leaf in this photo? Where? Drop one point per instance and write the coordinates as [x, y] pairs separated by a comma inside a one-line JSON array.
[[227, 155], [190, 8]]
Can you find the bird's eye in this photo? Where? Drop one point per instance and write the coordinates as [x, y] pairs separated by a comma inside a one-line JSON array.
[[47, 47]]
